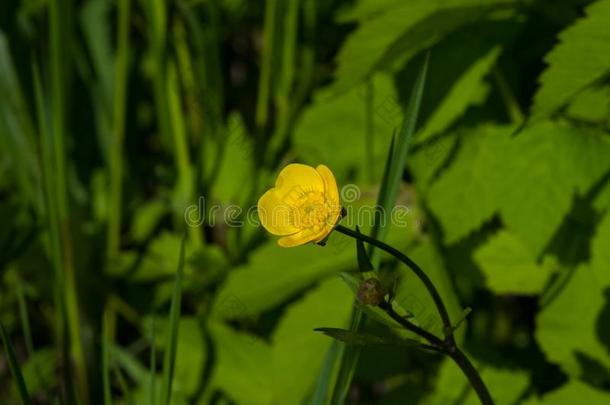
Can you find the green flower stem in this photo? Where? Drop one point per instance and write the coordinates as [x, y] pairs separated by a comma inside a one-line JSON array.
[[472, 374], [408, 325], [446, 345], [438, 302]]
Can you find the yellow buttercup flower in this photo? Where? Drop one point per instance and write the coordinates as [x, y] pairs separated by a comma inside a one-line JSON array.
[[302, 207]]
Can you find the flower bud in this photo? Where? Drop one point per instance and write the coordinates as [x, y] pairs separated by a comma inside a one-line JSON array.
[[370, 292]]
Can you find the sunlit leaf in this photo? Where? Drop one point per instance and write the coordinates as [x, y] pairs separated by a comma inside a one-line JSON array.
[[580, 59], [295, 342]]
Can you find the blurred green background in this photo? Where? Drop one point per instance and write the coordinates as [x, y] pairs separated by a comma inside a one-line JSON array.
[[124, 122]]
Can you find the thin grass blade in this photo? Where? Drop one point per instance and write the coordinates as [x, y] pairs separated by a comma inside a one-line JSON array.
[[14, 366], [397, 159], [324, 385], [169, 362]]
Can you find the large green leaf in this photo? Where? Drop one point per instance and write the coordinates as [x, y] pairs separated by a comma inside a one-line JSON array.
[[546, 166], [506, 386], [581, 58], [600, 259], [510, 267], [274, 274], [568, 327], [591, 105], [494, 172], [294, 341], [332, 129], [427, 161], [242, 368], [459, 74], [469, 89], [574, 392], [467, 193], [191, 353], [400, 31]]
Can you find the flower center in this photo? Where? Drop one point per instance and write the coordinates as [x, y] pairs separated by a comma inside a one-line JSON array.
[[309, 209]]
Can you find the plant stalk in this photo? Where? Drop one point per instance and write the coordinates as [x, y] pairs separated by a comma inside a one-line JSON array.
[[438, 302], [447, 345]]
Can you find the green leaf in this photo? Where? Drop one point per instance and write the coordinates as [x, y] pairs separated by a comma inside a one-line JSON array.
[[581, 58], [460, 79], [242, 367], [14, 366], [191, 352], [600, 254], [548, 162], [232, 180], [400, 31], [365, 339], [466, 194], [295, 342], [470, 89], [510, 175], [568, 327], [129, 363], [506, 385], [161, 257], [510, 267], [575, 392], [591, 105], [147, 219], [40, 370], [322, 132], [573, 329], [274, 274], [169, 362], [429, 158]]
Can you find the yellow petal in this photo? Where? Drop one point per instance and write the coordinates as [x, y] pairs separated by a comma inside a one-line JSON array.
[[302, 237], [331, 193], [296, 179], [275, 215]]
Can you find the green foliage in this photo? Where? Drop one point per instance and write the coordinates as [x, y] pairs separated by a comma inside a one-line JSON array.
[[273, 275], [243, 369], [169, 362], [364, 339], [294, 342], [9, 350], [507, 386], [573, 392], [509, 175], [397, 33], [117, 117], [330, 122], [581, 58], [510, 267], [464, 208]]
